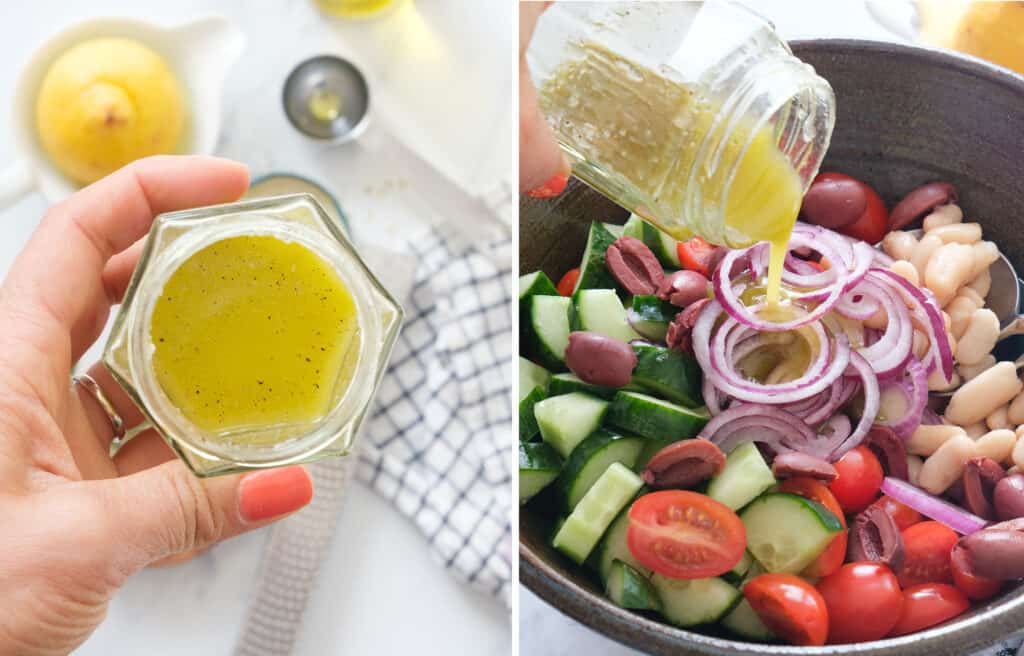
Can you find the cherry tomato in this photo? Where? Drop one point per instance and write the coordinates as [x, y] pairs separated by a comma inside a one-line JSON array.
[[926, 554], [972, 585], [790, 607], [929, 604], [698, 255], [903, 515], [568, 282], [860, 477], [834, 554], [873, 223], [864, 602], [685, 535]]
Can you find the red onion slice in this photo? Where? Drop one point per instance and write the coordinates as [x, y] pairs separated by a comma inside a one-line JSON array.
[[933, 507], [773, 427], [913, 389], [927, 310], [871, 402]]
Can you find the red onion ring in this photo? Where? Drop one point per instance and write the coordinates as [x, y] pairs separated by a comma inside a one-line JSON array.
[[914, 388]]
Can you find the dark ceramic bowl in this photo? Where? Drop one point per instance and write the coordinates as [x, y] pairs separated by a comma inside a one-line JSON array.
[[905, 116]]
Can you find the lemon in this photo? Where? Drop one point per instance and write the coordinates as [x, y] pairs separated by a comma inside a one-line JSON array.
[[107, 102], [990, 30]]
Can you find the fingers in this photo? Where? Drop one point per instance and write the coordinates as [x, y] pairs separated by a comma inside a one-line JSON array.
[[145, 450], [542, 164], [119, 269]]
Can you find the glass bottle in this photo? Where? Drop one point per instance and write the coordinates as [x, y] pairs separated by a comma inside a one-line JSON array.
[[696, 116]]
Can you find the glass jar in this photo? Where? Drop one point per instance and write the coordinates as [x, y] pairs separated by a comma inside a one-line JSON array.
[[300, 229], [357, 8], [669, 108]]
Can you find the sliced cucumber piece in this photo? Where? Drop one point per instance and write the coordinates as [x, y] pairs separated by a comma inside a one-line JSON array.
[[601, 311], [593, 272], [527, 419], [566, 420], [651, 316], [785, 532], [739, 572], [745, 622], [534, 284], [662, 245], [634, 227], [616, 229], [539, 465], [531, 375], [595, 511], [614, 547], [569, 383], [654, 418], [673, 375], [591, 458], [629, 588], [688, 602], [744, 477], [547, 329], [651, 446]]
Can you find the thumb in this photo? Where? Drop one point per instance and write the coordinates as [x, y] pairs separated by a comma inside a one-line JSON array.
[[167, 510]]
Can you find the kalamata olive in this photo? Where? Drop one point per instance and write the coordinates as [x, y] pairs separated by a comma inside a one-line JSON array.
[[684, 464], [875, 536], [634, 265], [600, 360], [996, 553], [834, 203], [794, 463], [921, 201], [678, 336], [1008, 497], [890, 450], [980, 478], [681, 288]]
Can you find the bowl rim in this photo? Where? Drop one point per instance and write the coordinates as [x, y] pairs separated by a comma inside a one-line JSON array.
[[566, 596]]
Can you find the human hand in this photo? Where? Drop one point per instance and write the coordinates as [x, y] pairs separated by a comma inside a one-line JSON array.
[[543, 167], [76, 523]]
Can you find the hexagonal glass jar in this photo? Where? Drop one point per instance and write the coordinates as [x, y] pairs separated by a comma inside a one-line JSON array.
[[295, 218]]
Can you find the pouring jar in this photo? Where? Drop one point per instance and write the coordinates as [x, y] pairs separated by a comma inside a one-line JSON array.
[[657, 103]]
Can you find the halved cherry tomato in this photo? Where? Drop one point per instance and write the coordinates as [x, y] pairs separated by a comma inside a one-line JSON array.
[[929, 604], [834, 555], [903, 515], [972, 585], [790, 607], [864, 602], [860, 477], [568, 282], [697, 255], [926, 554], [873, 223], [685, 535]]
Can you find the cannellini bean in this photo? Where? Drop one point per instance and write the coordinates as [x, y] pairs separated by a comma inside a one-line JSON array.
[[1016, 411], [879, 320], [923, 252], [967, 372], [1019, 432], [942, 216], [937, 381], [999, 418], [980, 337], [929, 437], [943, 467], [947, 270], [1013, 470], [947, 321], [982, 283], [961, 233], [907, 270], [977, 398], [975, 431], [913, 468], [899, 245], [971, 295], [960, 310], [996, 444], [1018, 453], [920, 344], [985, 253]]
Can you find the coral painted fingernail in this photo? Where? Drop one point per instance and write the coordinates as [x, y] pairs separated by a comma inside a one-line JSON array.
[[274, 492], [554, 186]]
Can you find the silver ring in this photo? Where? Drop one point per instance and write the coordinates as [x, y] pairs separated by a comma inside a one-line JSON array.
[[89, 384]]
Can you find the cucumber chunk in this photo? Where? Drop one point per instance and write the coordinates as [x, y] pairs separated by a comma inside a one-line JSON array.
[[566, 420], [673, 375], [688, 602], [614, 547], [536, 284], [634, 227], [528, 427], [531, 376], [745, 622], [591, 458], [595, 511], [628, 588], [661, 244], [738, 573], [600, 311], [547, 329], [569, 383], [539, 466], [745, 476], [786, 532], [593, 272], [651, 446], [654, 418], [652, 316]]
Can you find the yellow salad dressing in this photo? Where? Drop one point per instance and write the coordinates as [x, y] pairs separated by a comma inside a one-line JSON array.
[[253, 331]]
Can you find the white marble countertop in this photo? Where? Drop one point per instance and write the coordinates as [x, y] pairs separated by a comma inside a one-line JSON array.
[[550, 633], [379, 592]]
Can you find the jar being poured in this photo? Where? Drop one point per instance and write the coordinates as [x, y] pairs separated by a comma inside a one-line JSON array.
[[696, 117]]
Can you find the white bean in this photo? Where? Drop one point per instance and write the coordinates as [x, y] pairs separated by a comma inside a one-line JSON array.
[[999, 418], [961, 233], [879, 320], [977, 398], [947, 321], [920, 344], [1013, 470], [1018, 453], [907, 270], [1016, 412], [970, 294], [980, 337], [960, 310], [975, 431], [913, 468], [996, 444], [982, 283], [1019, 432], [967, 372], [937, 381], [985, 253], [899, 245], [942, 468], [923, 252], [929, 437], [943, 215], [947, 270]]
